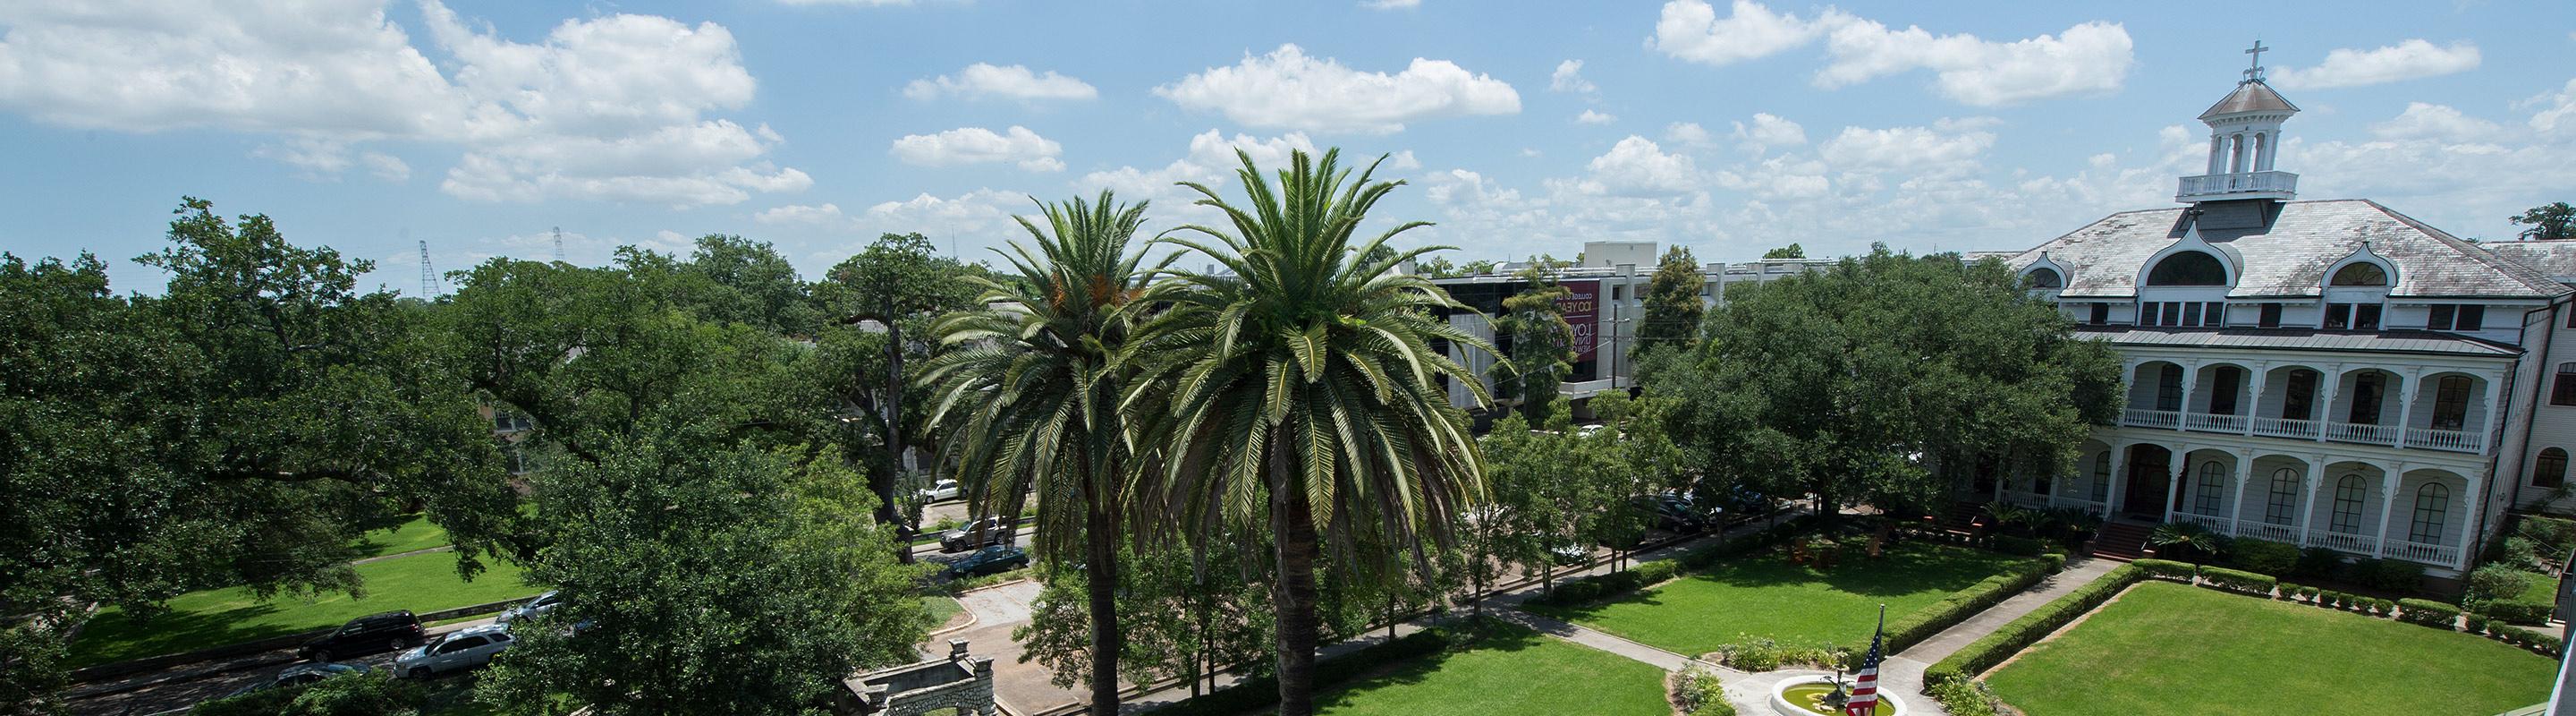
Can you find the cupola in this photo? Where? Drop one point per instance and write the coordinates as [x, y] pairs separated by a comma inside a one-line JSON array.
[[2244, 136]]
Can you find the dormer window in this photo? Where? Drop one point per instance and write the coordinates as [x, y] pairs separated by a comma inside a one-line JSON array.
[[2044, 279], [2188, 268], [2360, 274]]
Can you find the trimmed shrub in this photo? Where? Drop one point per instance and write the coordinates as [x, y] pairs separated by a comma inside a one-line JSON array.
[[2238, 581], [2165, 569], [1964, 697], [2474, 624], [2330, 599], [1261, 692], [2395, 575], [2012, 637], [2428, 613], [2554, 535], [2520, 611], [2493, 582], [2020, 546], [1699, 692], [1753, 656], [2547, 644], [2318, 562], [2263, 556], [2308, 594]]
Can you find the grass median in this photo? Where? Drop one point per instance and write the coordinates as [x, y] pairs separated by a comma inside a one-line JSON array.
[[1508, 670], [217, 617], [1766, 596]]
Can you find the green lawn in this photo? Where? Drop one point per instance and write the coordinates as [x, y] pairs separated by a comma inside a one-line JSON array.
[[408, 533], [941, 607], [2173, 648], [1512, 670], [1766, 596], [215, 617]]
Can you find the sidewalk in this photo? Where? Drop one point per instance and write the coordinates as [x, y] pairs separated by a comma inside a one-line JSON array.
[[1903, 673]]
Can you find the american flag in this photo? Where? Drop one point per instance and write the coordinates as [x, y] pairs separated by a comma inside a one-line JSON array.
[[1864, 694]]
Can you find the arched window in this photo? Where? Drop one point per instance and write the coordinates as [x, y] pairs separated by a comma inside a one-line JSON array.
[[2043, 277], [2102, 477], [2347, 505], [2360, 273], [2282, 508], [2189, 268], [2213, 486], [2551, 469], [2432, 506]]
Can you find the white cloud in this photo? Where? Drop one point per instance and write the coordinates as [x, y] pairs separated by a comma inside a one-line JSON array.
[[1403, 161], [386, 166], [1592, 117], [985, 81], [2090, 58], [1691, 30], [2562, 108], [1568, 77], [612, 107], [1904, 148], [977, 145], [2437, 122], [1529, 151], [1391, 4], [1768, 131], [1688, 134], [1637, 166], [2412, 59], [1288, 89], [801, 215]]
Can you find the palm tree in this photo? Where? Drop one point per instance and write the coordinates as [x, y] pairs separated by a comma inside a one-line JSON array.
[[2190, 537], [1294, 394], [1032, 398]]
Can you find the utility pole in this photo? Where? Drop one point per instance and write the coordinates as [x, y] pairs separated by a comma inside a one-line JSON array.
[[559, 255]]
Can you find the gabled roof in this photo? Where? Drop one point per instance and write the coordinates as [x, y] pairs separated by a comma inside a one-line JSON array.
[[2288, 256], [2254, 96], [2555, 259]]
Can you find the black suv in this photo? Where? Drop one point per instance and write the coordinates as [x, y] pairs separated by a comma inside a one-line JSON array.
[[390, 631]]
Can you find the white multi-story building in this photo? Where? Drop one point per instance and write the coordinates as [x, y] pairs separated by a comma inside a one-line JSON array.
[[1606, 304], [2326, 373]]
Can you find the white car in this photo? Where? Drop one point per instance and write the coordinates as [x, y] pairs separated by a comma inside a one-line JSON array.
[[941, 491], [458, 651], [538, 607]]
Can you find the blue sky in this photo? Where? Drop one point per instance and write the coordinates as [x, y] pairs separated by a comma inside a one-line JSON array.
[[1729, 127]]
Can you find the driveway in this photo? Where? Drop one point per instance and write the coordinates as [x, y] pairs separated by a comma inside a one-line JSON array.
[[1022, 688]]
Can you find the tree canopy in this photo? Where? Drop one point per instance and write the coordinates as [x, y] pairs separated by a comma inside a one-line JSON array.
[[1791, 251], [1674, 305], [2549, 222]]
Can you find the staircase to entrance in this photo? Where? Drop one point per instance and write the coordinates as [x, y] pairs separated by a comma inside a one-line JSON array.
[[2122, 540]]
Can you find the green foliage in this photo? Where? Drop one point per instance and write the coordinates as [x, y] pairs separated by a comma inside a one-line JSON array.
[[2263, 556], [2428, 613], [1791, 251], [2552, 537], [1759, 654], [712, 580], [1698, 691], [1673, 305], [2318, 562], [2012, 637], [1789, 393], [2022, 546], [1260, 692], [2166, 569], [2395, 575], [1542, 345], [2240, 582], [2554, 221], [2493, 582], [1912, 628], [2187, 539], [2519, 611], [1964, 697]]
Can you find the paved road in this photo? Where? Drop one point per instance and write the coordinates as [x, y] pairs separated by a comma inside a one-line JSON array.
[[1022, 688], [180, 686]]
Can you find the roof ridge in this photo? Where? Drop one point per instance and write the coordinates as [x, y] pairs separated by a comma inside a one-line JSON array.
[[2515, 269]]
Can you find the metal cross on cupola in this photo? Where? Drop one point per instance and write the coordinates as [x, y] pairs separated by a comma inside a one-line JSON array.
[[2254, 72]]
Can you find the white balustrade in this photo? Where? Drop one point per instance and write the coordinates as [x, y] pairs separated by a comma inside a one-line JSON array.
[[2237, 183], [2455, 440], [2152, 418], [2285, 428], [2364, 545], [2433, 554], [2213, 523], [2268, 531], [2358, 433], [2214, 423]]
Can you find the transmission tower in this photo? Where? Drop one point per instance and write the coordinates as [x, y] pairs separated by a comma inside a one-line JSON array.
[[559, 257], [430, 286]]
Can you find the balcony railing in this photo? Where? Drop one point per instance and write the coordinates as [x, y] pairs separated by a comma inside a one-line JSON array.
[[2357, 433], [2456, 440], [2265, 530], [2209, 185], [2356, 544], [2285, 428], [2214, 423], [2152, 418], [2425, 553], [2214, 523]]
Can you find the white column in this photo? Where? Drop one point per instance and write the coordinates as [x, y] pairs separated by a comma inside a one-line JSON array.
[[2182, 471], [2308, 497], [2468, 542], [2406, 408], [2254, 394], [2388, 503], [2119, 475], [2190, 382], [2333, 380], [2244, 478], [2217, 153], [2486, 424]]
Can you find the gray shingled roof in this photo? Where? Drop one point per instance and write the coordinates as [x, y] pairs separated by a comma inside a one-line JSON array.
[[2302, 339], [2289, 258], [2555, 259], [2250, 97]]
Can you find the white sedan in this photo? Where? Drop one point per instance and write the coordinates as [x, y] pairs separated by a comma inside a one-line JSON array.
[[458, 651], [941, 491]]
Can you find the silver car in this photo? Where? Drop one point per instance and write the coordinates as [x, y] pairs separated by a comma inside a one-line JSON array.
[[458, 651], [538, 607]]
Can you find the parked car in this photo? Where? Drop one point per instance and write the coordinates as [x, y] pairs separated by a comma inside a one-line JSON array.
[[1569, 554], [1669, 513], [459, 650], [989, 560], [389, 631], [298, 675], [542, 605], [941, 491], [975, 534]]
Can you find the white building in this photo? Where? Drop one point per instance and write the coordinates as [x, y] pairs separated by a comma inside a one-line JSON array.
[[1607, 303], [2323, 373]]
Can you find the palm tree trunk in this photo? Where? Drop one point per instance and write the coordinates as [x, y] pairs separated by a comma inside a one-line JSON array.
[[1294, 592], [1101, 568]]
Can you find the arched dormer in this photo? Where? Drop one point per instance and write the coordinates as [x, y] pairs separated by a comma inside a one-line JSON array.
[[2190, 262], [2355, 290], [2363, 270], [2045, 275]]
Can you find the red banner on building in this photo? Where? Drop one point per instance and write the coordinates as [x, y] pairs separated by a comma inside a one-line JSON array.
[[1582, 312]]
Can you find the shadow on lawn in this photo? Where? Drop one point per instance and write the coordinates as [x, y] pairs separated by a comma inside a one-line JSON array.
[[1908, 569], [128, 637], [1486, 635]]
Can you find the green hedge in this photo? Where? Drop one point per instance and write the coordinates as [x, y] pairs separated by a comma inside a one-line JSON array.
[[1960, 605], [2021, 546], [2428, 613], [2520, 611], [2166, 569], [2030, 628], [1648, 573], [1262, 692], [2263, 556], [2238, 581]]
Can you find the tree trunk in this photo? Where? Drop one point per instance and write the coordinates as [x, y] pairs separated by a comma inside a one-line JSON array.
[[893, 418], [1294, 591], [1101, 568]]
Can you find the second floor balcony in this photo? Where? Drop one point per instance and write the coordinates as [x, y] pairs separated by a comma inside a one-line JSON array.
[[2238, 185], [2426, 409]]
